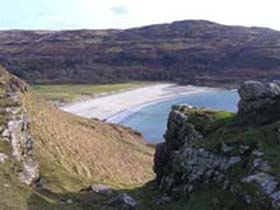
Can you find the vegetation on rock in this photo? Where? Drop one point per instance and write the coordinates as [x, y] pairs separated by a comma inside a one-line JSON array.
[[237, 153]]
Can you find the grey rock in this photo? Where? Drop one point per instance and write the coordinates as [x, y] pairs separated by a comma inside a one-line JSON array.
[[69, 201], [6, 134], [257, 153], [251, 90], [30, 172], [243, 149], [266, 182], [261, 165], [232, 161], [226, 148], [257, 99], [17, 133], [3, 157], [276, 199], [102, 189], [163, 200], [122, 202], [248, 199]]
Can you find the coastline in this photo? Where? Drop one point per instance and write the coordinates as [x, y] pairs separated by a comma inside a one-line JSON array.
[[114, 108]]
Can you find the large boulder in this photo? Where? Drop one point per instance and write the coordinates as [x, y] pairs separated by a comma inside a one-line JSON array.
[[252, 90], [259, 102]]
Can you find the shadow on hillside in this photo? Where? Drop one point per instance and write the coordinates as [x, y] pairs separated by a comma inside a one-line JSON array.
[[207, 197], [45, 200]]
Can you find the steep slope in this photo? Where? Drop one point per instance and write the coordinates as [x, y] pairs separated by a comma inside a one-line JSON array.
[[48, 158], [197, 52], [91, 150], [232, 158]]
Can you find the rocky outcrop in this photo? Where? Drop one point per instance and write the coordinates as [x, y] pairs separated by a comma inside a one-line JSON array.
[[198, 151], [15, 128], [260, 102]]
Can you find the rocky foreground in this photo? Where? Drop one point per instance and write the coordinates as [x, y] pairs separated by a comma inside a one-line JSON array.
[[236, 153], [191, 52], [53, 160]]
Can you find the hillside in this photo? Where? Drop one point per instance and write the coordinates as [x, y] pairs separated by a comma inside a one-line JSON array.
[[49, 159], [196, 52], [52, 160]]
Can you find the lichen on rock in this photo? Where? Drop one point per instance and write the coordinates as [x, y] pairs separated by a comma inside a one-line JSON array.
[[15, 128], [234, 152]]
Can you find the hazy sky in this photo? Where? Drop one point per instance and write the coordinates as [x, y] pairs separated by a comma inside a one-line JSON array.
[[99, 14]]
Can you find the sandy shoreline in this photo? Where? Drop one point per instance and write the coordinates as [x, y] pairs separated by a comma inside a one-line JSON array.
[[113, 108]]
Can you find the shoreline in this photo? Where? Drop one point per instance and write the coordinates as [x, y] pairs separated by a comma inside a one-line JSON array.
[[120, 116], [115, 107]]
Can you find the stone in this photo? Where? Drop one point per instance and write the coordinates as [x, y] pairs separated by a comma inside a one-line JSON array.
[[163, 200], [30, 172], [102, 189], [6, 134], [243, 149], [276, 199], [257, 153], [251, 90], [226, 148], [232, 161], [261, 165], [122, 202], [258, 99], [248, 199], [267, 182], [69, 201], [3, 157]]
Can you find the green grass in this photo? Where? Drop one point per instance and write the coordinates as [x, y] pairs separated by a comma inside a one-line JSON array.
[[206, 197], [206, 121], [69, 93]]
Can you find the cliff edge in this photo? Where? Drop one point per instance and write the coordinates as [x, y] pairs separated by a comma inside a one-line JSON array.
[[233, 158]]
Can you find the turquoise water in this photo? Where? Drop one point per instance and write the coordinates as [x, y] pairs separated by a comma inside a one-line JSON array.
[[151, 121]]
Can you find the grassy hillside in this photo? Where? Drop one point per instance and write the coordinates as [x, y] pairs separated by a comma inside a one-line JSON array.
[[73, 153], [91, 150]]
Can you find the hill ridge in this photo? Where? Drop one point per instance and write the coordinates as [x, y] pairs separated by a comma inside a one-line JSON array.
[[193, 52]]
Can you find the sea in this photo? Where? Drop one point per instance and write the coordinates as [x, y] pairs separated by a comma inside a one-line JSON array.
[[151, 120]]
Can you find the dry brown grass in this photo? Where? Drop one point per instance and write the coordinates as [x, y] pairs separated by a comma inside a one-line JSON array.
[[74, 152]]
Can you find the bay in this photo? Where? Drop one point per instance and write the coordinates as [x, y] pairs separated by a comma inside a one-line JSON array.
[[151, 120]]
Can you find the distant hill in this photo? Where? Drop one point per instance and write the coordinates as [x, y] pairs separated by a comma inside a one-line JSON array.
[[197, 52]]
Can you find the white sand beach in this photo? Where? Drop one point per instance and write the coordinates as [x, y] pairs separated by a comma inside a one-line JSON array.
[[113, 108]]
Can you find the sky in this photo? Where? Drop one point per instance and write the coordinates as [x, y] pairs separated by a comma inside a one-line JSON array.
[[121, 14]]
